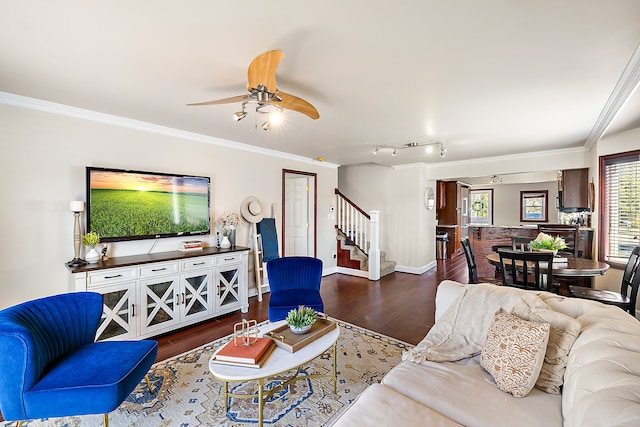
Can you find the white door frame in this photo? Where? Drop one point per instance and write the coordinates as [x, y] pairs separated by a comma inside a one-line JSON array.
[[311, 208]]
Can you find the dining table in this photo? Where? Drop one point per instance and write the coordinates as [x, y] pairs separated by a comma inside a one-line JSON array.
[[565, 271]]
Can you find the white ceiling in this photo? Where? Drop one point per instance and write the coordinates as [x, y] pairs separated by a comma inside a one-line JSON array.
[[490, 78]]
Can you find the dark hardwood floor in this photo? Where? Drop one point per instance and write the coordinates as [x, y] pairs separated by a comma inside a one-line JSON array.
[[399, 305]]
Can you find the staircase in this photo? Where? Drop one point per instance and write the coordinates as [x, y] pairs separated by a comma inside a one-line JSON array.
[[357, 235], [349, 256]]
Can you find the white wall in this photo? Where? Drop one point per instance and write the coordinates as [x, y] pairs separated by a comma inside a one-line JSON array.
[[42, 167], [506, 201], [407, 228], [553, 160]]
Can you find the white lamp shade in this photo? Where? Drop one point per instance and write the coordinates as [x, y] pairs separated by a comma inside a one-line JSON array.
[[76, 206]]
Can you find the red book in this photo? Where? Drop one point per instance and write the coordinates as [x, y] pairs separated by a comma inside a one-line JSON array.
[[243, 353]]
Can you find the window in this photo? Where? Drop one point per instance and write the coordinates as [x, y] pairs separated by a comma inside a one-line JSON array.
[[620, 206], [533, 206], [481, 206]]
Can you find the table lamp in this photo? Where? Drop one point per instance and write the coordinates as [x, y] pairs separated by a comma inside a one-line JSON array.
[[76, 206]]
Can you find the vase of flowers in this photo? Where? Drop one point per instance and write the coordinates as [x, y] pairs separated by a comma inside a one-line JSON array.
[[91, 240], [228, 222], [545, 242], [301, 319]]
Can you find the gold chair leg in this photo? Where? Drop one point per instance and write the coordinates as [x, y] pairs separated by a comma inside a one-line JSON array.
[[105, 417], [19, 423], [146, 377]]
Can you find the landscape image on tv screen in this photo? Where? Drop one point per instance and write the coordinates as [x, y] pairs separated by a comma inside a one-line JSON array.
[[126, 205]]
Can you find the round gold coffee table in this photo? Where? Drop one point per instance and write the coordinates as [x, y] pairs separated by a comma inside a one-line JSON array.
[[280, 361]]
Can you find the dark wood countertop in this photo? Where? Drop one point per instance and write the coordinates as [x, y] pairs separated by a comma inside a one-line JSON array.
[[528, 226], [127, 261]]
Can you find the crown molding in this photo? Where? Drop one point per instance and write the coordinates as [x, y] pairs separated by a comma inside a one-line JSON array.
[[84, 114], [534, 155], [627, 84]]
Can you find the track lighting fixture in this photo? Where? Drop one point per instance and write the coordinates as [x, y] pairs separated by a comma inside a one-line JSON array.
[[428, 147]]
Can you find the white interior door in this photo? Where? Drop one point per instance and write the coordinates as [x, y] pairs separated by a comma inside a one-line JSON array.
[[298, 214]]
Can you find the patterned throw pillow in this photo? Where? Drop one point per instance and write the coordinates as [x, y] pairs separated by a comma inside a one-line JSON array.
[[514, 352], [563, 333]]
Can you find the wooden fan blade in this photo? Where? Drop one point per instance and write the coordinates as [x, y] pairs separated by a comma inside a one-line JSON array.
[[262, 70], [294, 103], [239, 98]]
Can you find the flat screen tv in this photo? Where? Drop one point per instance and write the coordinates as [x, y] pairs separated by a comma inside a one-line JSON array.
[[131, 205]]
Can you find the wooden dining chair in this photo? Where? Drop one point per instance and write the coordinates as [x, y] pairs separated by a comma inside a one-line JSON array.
[[628, 295], [520, 243], [570, 234], [536, 276], [472, 266]]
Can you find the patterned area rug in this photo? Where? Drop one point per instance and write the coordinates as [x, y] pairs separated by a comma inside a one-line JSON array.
[[186, 394]]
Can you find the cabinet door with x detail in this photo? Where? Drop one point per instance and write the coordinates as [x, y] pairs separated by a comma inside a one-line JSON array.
[[159, 304], [196, 299], [228, 279]]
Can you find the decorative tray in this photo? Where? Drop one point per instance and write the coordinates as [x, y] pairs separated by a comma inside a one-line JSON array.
[[284, 338]]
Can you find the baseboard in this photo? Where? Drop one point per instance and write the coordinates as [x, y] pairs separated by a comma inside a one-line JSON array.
[[416, 270], [353, 272]]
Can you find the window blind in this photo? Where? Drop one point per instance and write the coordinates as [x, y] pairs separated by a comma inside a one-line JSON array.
[[621, 205]]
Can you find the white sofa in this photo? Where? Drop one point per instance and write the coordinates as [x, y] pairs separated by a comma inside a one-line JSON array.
[[601, 380]]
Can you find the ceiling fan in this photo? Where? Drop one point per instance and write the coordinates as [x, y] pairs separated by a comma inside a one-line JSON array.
[[264, 93]]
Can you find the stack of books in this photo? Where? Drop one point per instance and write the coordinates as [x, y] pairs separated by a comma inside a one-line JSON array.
[[250, 356], [190, 245]]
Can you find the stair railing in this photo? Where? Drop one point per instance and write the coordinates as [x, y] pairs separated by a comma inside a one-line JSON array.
[[360, 229]]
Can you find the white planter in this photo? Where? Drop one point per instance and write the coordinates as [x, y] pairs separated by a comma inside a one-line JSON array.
[[300, 330], [92, 256]]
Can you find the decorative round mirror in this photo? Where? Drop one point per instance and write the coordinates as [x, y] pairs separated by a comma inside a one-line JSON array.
[[429, 198]]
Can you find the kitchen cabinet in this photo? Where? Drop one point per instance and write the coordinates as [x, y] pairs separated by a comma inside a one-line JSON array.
[[574, 190], [441, 194], [454, 214]]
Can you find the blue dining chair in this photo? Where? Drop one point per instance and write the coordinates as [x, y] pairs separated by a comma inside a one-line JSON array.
[[52, 367], [294, 281]]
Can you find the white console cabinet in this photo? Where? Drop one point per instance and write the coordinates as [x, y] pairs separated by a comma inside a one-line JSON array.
[[148, 295]]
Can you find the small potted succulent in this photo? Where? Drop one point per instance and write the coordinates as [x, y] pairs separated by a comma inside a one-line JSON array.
[[301, 319]]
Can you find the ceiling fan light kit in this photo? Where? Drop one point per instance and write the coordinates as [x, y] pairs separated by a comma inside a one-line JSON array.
[[264, 94]]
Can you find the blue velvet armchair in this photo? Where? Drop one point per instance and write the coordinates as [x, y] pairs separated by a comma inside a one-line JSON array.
[[294, 281], [51, 366]]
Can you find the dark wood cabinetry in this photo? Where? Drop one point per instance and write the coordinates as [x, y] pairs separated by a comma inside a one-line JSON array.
[[441, 194], [575, 190], [450, 214]]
